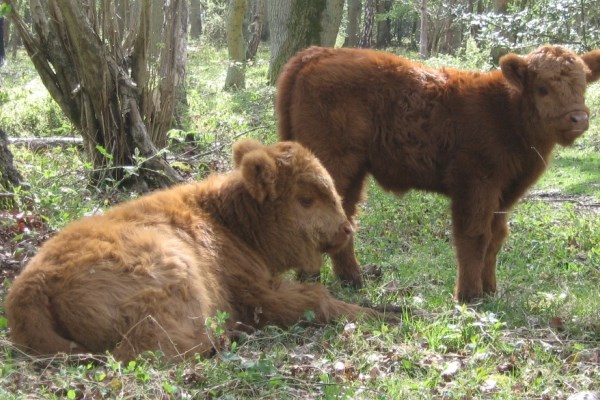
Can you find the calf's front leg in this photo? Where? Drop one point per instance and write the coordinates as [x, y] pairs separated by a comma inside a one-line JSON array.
[[286, 304], [472, 216]]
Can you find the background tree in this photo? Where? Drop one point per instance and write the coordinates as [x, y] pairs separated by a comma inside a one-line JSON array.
[[423, 32], [384, 34], [255, 28], [2, 53], [296, 24], [9, 176], [366, 38], [172, 62], [12, 40], [195, 19], [353, 29], [236, 45], [105, 80]]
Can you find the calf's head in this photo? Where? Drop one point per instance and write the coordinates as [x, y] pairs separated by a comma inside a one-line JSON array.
[[299, 210], [552, 82]]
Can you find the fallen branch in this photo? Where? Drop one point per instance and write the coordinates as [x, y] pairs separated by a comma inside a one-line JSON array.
[[36, 143]]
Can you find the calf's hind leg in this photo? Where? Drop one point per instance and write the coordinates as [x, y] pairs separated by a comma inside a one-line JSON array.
[[173, 340], [499, 233]]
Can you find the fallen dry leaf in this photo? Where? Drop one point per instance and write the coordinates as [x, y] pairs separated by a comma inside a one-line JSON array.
[[557, 323]]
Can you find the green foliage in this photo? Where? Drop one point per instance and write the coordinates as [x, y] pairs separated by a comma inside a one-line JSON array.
[[570, 22], [217, 323], [5, 9], [472, 56], [522, 26], [214, 18], [26, 108]]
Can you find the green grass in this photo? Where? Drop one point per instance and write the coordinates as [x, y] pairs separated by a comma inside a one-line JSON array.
[[27, 109], [537, 339]]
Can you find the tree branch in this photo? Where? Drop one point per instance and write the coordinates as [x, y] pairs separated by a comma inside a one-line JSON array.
[[160, 169]]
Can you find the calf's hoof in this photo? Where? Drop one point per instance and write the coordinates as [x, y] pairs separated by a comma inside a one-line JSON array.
[[465, 294], [353, 281], [470, 296]]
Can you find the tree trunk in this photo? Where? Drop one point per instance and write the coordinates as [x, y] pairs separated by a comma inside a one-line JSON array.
[[331, 18], [11, 38], [255, 28], [450, 33], [98, 72], [236, 46], [424, 26], [501, 6], [352, 35], [173, 58], [266, 30], [2, 53], [195, 19], [384, 35], [366, 39], [296, 24], [9, 176]]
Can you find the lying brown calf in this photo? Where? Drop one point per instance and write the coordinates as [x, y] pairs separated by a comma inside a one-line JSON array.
[[148, 273], [480, 138]]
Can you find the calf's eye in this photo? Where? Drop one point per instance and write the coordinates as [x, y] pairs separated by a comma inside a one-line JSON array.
[[542, 90], [306, 202]]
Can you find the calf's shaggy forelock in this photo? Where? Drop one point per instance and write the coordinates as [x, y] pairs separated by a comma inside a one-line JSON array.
[[481, 138], [148, 273]]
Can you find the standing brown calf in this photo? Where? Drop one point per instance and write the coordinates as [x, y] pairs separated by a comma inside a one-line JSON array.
[[148, 273], [480, 138]]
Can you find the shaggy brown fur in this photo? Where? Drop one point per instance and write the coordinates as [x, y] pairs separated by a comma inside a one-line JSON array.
[[480, 138], [147, 273]]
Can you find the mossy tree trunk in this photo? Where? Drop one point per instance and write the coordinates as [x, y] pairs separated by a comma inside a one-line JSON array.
[[352, 33], [236, 45], [297, 24], [104, 78]]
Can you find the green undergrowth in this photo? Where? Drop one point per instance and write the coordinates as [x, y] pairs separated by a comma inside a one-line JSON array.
[[539, 338]]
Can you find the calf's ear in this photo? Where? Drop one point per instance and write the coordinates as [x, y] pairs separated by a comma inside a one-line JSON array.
[[260, 173], [242, 147], [592, 60], [514, 69]]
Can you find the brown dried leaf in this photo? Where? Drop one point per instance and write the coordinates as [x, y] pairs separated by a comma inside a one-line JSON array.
[[557, 323]]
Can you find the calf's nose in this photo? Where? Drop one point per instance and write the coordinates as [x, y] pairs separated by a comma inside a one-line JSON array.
[[579, 120], [347, 228]]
